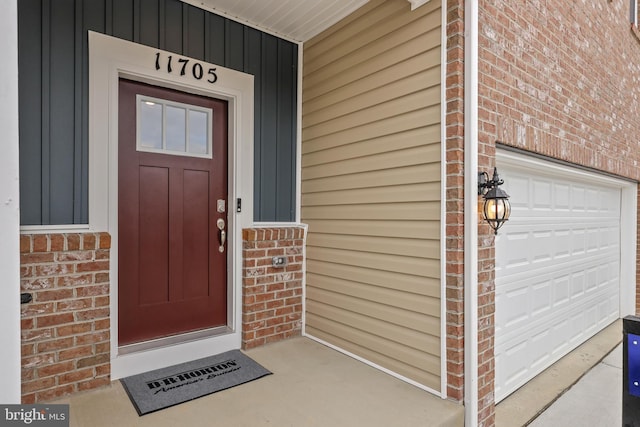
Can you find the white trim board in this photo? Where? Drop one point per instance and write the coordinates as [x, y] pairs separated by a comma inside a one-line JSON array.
[[471, 392], [372, 364], [9, 208], [443, 197], [110, 59]]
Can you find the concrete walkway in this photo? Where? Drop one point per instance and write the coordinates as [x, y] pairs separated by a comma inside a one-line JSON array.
[[534, 401], [311, 385], [594, 401]]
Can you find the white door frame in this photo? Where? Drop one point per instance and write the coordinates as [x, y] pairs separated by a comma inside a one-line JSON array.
[[9, 208], [110, 59]]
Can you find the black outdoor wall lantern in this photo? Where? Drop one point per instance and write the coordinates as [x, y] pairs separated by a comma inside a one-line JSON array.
[[496, 208]]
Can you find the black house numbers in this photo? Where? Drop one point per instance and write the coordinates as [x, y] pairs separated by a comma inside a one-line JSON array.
[[185, 66]]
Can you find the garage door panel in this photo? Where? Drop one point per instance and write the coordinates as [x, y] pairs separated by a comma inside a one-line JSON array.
[[582, 265], [535, 346], [523, 351], [536, 304], [540, 359], [519, 184], [542, 298], [562, 286], [562, 197], [563, 265], [537, 250], [511, 301], [539, 194], [542, 197], [557, 268], [530, 212]]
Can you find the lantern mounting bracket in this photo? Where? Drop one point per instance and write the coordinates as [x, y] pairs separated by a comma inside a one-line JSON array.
[[485, 184]]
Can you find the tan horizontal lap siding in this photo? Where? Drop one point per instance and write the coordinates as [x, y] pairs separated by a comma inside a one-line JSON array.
[[371, 188]]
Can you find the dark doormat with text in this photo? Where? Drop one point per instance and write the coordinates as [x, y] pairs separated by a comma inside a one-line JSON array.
[[162, 388]]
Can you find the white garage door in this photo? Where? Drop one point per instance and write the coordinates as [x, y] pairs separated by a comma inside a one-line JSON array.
[[557, 266]]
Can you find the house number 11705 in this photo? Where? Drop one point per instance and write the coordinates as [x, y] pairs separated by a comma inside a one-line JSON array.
[[185, 65]]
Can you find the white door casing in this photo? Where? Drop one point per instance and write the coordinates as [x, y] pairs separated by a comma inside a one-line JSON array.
[[110, 59], [560, 273], [9, 208]]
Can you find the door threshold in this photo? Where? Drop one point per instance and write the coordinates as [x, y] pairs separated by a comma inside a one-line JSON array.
[[173, 340]]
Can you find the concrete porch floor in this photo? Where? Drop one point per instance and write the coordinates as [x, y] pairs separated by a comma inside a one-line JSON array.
[[312, 385]]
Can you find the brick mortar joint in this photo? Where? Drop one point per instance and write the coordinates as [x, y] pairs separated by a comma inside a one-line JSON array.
[[65, 275], [57, 261]]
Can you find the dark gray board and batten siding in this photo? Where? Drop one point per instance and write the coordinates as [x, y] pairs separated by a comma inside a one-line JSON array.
[[53, 88]]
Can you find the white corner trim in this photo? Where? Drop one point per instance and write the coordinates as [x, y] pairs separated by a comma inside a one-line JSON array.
[[303, 325], [417, 3], [471, 214], [298, 182], [443, 207], [110, 59], [628, 245], [373, 365]]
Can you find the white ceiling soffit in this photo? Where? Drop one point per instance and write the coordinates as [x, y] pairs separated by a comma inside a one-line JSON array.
[[296, 20]]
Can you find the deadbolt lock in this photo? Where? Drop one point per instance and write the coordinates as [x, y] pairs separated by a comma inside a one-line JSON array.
[[221, 206]]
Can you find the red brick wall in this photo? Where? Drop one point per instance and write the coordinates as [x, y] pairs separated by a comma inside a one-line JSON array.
[[65, 329], [455, 199], [272, 297], [561, 79]]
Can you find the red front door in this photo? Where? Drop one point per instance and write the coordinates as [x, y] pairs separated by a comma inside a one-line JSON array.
[[172, 274]]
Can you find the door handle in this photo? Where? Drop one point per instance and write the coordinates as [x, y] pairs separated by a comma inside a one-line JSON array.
[[223, 234]]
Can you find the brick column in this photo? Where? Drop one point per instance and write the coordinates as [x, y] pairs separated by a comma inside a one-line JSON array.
[[455, 199], [272, 296], [65, 329]]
